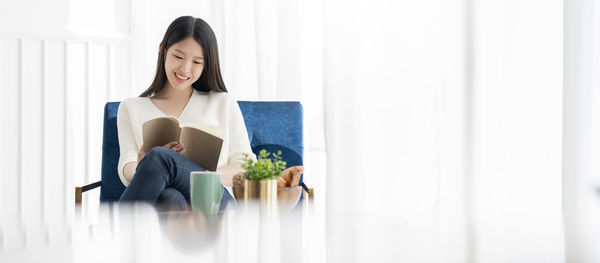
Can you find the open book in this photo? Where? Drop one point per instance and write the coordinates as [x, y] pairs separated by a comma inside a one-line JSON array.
[[202, 143]]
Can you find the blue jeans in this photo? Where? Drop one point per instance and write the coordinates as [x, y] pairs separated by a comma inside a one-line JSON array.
[[162, 179]]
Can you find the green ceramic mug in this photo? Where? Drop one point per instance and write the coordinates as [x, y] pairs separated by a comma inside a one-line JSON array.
[[205, 192]]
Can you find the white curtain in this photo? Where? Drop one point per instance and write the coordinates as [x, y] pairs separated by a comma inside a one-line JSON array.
[[515, 153], [393, 75], [581, 127], [444, 130]]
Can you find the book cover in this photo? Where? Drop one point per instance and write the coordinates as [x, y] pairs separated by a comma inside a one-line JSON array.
[[202, 142]]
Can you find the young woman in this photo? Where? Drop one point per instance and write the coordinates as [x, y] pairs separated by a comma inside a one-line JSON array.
[[187, 85]]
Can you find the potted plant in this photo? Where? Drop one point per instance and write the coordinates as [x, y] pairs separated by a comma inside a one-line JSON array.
[[260, 178]]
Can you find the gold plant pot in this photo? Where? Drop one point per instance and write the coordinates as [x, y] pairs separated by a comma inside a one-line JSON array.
[[268, 196], [251, 189], [263, 191]]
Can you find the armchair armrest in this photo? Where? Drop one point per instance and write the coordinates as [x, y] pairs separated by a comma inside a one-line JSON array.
[[309, 191], [79, 190]]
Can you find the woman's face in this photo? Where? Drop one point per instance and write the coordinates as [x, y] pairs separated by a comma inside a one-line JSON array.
[[184, 63]]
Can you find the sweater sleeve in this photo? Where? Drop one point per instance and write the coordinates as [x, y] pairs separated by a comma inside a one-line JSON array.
[[127, 144], [239, 143]]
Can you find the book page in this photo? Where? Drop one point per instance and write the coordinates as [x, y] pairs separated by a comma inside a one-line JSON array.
[[160, 131], [202, 145]]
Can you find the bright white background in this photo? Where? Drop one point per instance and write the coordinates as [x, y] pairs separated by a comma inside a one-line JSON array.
[[471, 121]]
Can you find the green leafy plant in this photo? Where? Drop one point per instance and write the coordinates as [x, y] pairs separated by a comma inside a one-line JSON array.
[[264, 168]]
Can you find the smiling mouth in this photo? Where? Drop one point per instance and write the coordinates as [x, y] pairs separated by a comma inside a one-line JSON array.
[[181, 77]]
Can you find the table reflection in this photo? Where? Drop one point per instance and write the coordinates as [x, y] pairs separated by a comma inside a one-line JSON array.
[[137, 233], [190, 232]]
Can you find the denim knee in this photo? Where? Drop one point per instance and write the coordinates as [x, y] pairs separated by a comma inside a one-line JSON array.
[[158, 159], [159, 152]]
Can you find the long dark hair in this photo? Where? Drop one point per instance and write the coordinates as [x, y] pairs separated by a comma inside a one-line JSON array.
[[181, 28]]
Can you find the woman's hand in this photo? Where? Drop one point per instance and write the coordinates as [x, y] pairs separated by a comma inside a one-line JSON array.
[[141, 153], [174, 145]]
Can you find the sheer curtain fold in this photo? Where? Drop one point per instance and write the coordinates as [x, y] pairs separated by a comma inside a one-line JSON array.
[[262, 49], [394, 106], [581, 128], [265, 19], [384, 66]]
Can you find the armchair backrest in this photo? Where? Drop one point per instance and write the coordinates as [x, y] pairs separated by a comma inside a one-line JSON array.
[[271, 125]]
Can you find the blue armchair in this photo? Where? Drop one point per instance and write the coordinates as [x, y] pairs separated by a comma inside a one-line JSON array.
[[271, 125]]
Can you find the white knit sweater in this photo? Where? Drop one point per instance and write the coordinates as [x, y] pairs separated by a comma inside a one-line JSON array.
[[208, 108]]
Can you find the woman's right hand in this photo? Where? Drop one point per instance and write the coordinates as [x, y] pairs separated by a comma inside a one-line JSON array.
[[141, 153], [174, 145]]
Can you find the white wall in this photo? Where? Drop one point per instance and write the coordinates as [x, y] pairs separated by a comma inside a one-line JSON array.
[[34, 17], [58, 69]]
